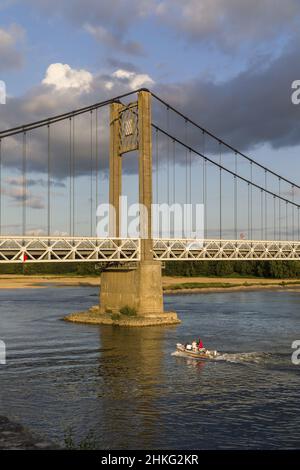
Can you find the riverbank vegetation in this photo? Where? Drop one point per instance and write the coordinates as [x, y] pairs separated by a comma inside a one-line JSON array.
[[182, 286], [261, 269]]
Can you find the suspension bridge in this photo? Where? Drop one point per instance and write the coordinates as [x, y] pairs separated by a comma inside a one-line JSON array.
[[54, 174], [250, 211]]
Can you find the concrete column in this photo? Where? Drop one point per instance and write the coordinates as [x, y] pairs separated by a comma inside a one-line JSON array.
[[140, 288], [115, 170], [145, 172]]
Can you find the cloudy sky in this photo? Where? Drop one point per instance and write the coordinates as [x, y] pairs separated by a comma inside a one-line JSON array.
[[229, 64]]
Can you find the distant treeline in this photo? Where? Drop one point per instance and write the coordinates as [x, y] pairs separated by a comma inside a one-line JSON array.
[[267, 269], [60, 269]]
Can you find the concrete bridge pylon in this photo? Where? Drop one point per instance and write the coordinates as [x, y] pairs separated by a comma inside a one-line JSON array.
[[139, 287]]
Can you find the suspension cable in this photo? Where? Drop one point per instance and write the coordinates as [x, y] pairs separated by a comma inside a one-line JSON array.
[[61, 117], [230, 147], [227, 170]]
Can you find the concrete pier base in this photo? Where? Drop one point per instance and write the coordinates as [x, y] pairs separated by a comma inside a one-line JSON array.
[[139, 289]]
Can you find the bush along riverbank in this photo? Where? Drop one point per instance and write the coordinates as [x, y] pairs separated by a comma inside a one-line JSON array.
[[244, 268]]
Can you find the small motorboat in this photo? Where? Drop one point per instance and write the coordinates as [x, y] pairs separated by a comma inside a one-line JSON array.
[[201, 354]]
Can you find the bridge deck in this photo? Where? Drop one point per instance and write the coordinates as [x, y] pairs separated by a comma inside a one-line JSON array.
[[83, 249]]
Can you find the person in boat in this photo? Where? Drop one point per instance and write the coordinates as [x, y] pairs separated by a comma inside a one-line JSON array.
[[194, 345], [200, 345]]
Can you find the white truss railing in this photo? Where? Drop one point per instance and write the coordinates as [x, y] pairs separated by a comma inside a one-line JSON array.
[[124, 250], [67, 249], [190, 250]]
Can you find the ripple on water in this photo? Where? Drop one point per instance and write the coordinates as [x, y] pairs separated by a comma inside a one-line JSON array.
[[128, 387]]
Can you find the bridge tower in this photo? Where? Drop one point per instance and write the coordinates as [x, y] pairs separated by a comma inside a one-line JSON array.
[[139, 286]]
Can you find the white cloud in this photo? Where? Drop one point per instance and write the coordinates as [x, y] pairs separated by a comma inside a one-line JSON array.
[[44, 100], [63, 77], [134, 80]]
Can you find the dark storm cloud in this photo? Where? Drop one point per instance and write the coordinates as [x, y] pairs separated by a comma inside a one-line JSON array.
[[250, 109], [119, 13], [107, 21], [115, 41], [230, 24], [227, 23]]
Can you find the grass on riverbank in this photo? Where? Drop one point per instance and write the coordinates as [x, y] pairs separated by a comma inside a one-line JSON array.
[[225, 285]]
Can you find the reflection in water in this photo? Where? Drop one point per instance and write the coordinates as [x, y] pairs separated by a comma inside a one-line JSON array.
[[131, 369]]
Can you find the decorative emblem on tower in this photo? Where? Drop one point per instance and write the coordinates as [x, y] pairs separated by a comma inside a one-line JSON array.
[[128, 117]]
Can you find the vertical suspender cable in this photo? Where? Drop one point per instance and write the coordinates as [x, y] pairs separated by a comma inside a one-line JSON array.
[[70, 176], [235, 198], [174, 183], [293, 212], [274, 209], [24, 198], [204, 189], [174, 187], [205, 199], [251, 205], [220, 183], [91, 173], [49, 182], [190, 176], [286, 221], [168, 156], [266, 206], [97, 159], [0, 187], [156, 179], [73, 178], [186, 172], [279, 210], [248, 204], [186, 165], [174, 172], [262, 213]]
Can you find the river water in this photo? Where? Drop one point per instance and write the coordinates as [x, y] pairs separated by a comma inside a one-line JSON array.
[[131, 391]]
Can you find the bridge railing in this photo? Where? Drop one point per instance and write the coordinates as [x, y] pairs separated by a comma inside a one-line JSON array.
[[127, 250], [193, 250], [68, 249]]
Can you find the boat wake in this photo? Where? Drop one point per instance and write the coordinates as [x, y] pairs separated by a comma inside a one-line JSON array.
[[238, 358], [249, 357]]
